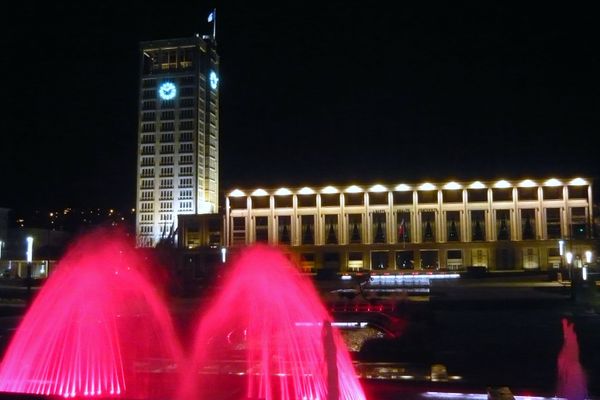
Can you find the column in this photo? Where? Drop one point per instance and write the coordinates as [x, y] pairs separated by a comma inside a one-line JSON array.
[[273, 227], [441, 226], [227, 226]]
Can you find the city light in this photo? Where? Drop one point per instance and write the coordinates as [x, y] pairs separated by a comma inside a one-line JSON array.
[[237, 193], [214, 79], [283, 192], [29, 252], [569, 257], [353, 189], [588, 256], [502, 184], [402, 187], [306, 190], [378, 188], [427, 186], [452, 186], [167, 91], [553, 182], [561, 247], [527, 183], [329, 190], [260, 192], [578, 182], [477, 185]]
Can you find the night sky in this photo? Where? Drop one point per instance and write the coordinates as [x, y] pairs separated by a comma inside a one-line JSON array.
[[315, 93]]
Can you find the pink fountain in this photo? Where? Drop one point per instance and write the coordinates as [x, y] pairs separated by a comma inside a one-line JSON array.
[[96, 329], [267, 336], [572, 383]]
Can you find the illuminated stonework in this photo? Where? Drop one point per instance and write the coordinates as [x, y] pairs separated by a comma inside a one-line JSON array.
[[501, 224], [178, 135]]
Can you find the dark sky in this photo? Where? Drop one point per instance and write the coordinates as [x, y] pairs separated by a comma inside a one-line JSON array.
[[317, 92]]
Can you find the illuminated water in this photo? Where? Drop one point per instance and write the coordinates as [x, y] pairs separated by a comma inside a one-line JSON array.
[[270, 319], [97, 328], [572, 382]]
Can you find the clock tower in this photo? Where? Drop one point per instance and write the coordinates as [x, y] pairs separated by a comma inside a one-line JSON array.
[[178, 135]]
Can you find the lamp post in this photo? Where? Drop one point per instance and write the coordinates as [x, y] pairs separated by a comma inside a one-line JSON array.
[[29, 256], [588, 260], [569, 258]]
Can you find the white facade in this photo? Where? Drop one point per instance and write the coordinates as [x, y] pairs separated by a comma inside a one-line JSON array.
[[178, 135]]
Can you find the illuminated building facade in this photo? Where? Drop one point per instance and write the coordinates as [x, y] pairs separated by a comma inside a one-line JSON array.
[[178, 134], [499, 225]]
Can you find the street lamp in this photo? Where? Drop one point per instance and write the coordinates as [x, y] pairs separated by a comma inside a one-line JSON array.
[[561, 247], [588, 256], [29, 253], [569, 257], [588, 260], [29, 256]]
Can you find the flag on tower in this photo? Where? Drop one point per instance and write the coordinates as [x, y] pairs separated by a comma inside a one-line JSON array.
[[212, 17]]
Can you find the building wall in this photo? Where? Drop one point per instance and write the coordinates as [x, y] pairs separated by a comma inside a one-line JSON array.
[[500, 225], [178, 135]]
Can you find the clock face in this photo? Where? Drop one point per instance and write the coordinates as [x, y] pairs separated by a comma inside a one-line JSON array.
[[167, 91], [214, 79]]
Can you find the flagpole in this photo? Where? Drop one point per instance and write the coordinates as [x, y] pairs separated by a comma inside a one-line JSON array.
[[215, 25]]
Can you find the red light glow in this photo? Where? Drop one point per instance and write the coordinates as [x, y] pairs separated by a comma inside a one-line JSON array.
[[254, 319], [96, 328]]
